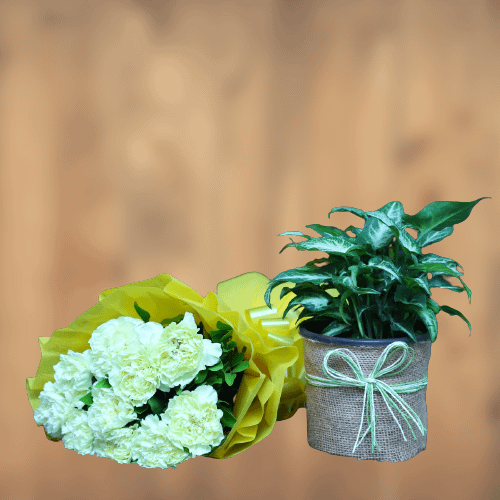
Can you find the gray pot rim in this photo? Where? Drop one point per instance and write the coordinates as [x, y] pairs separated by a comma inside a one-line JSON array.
[[317, 337]]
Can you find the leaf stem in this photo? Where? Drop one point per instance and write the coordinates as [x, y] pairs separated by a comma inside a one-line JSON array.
[[368, 316], [357, 318]]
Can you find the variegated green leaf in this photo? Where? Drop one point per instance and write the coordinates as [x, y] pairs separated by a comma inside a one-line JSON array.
[[454, 312], [406, 296], [335, 328], [430, 237], [439, 215], [441, 282], [406, 326], [417, 285], [326, 230], [337, 245], [469, 293], [428, 318], [376, 234], [352, 210], [298, 275]]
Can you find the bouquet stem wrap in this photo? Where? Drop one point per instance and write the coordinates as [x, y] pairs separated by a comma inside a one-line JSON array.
[[347, 389]]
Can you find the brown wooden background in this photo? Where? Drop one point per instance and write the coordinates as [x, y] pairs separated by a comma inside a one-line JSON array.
[[148, 137]]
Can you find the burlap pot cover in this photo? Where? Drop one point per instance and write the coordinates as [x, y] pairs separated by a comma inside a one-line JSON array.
[[334, 414]]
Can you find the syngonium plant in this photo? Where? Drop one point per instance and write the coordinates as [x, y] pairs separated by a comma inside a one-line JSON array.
[[375, 284]]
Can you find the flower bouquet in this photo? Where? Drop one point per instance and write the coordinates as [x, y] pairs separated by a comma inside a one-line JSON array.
[[372, 295], [155, 374]]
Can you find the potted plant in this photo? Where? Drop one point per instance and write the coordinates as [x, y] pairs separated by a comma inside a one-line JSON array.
[[369, 299]]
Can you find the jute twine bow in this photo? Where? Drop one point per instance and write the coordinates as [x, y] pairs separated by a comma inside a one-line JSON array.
[[337, 379]]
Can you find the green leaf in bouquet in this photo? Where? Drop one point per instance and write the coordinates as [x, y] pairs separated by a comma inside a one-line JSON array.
[[142, 313], [225, 338], [229, 378], [216, 335], [235, 360], [231, 345], [215, 367], [223, 326], [156, 404], [213, 380], [141, 409], [243, 365], [228, 419], [214, 448], [87, 399], [177, 319], [200, 377], [103, 384]]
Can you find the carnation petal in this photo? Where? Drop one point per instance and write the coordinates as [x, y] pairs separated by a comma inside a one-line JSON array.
[[149, 332], [213, 352], [206, 394]]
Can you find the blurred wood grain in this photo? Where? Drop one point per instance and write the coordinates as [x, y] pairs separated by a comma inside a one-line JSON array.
[[147, 137]]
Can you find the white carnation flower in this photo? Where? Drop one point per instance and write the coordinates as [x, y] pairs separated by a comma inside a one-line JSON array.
[[109, 411], [78, 435], [183, 353], [194, 420], [73, 375], [108, 340], [135, 375], [116, 444], [53, 409], [149, 333], [152, 448]]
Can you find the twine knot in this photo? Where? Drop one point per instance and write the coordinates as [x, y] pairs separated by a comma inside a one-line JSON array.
[[371, 383]]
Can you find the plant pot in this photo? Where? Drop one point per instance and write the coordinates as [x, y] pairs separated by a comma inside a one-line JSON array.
[[340, 419]]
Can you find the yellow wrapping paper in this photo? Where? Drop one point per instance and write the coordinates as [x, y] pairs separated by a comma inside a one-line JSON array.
[[272, 387]]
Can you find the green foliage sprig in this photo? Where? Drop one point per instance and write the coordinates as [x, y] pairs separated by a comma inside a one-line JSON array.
[[380, 273]]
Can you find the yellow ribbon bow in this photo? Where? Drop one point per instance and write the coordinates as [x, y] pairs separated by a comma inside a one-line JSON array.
[[245, 294]]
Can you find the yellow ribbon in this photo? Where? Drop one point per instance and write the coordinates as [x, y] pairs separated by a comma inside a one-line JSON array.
[[245, 294]]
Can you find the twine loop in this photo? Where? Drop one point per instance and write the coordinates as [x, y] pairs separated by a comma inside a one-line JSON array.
[[371, 383]]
